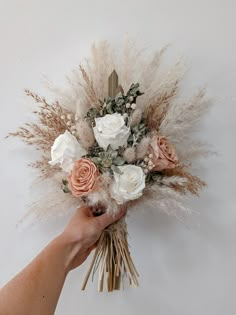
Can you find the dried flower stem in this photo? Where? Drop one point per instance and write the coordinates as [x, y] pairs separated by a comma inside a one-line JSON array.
[[89, 89], [193, 183], [112, 257], [45, 168], [156, 111], [50, 126]]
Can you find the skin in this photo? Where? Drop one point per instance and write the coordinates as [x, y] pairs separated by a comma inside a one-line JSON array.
[[37, 288]]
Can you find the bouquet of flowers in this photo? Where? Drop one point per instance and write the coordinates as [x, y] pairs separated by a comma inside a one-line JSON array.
[[117, 137]]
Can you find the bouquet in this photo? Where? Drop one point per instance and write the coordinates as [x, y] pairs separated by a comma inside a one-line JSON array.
[[118, 135]]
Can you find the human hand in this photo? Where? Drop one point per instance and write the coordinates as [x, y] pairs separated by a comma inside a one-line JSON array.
[[82, 233]]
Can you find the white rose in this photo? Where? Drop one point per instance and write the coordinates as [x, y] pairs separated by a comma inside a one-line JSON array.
[[65, 151], [111, 129], [129, 185]]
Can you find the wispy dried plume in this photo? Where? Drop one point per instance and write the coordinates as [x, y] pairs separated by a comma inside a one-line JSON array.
[[49, 126], [193, 183], [91, 95], [45, 168]]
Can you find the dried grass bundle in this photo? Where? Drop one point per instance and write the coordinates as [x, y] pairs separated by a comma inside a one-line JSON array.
[[112, 259]]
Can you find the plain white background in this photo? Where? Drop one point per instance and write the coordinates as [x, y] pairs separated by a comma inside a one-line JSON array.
[[185, 268]]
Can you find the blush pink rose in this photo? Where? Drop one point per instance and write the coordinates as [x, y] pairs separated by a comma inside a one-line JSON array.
[[83, 177], [162, 154]]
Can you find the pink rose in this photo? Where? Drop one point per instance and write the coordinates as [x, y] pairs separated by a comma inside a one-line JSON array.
[[162, 154], [82, 177]]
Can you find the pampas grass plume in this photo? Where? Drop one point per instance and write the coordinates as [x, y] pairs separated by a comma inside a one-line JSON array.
[[143, 147], [85, 134], [129, 154]]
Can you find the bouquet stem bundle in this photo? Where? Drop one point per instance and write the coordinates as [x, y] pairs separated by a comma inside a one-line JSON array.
[[112, 259]]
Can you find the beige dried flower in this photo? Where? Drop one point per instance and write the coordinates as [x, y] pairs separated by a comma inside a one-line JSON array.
[[85, 134], [142, 148], [135, 118], [129, 154]]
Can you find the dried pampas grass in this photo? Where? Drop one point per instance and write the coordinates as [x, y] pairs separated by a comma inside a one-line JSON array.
[[166, 200], [193, 183], [49, 126], [52, 203], [99, 67], [45, 168], [182, 117]]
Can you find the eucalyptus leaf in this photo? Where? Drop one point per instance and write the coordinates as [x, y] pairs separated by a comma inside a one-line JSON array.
[[96, 159], [66, 190], [114, 154], [119, 161], [116, 169], [64, 181], [109, 108]]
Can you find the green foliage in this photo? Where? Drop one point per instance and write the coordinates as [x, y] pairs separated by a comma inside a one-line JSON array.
[[106, 160], [137, 133], [118, 103], [65, 187], [91, 115]]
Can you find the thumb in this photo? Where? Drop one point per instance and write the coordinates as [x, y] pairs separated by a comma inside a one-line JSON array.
[[106, 219]]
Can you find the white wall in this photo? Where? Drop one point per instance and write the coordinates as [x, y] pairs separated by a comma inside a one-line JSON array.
[[185, 268]]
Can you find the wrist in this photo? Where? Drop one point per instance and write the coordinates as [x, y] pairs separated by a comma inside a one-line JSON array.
[[69, 249]]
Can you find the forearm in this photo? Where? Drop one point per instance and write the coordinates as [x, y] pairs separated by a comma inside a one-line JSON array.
[[37, 288]]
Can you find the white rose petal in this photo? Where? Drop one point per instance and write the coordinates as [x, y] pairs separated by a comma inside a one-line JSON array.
[[111, 130], [65, 151], [129, 185]]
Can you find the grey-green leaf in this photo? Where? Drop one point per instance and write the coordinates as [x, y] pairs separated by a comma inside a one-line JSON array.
[[119, 161]]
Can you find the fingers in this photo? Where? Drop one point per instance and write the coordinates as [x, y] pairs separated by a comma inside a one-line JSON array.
[[85, 211], [106, 219]]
